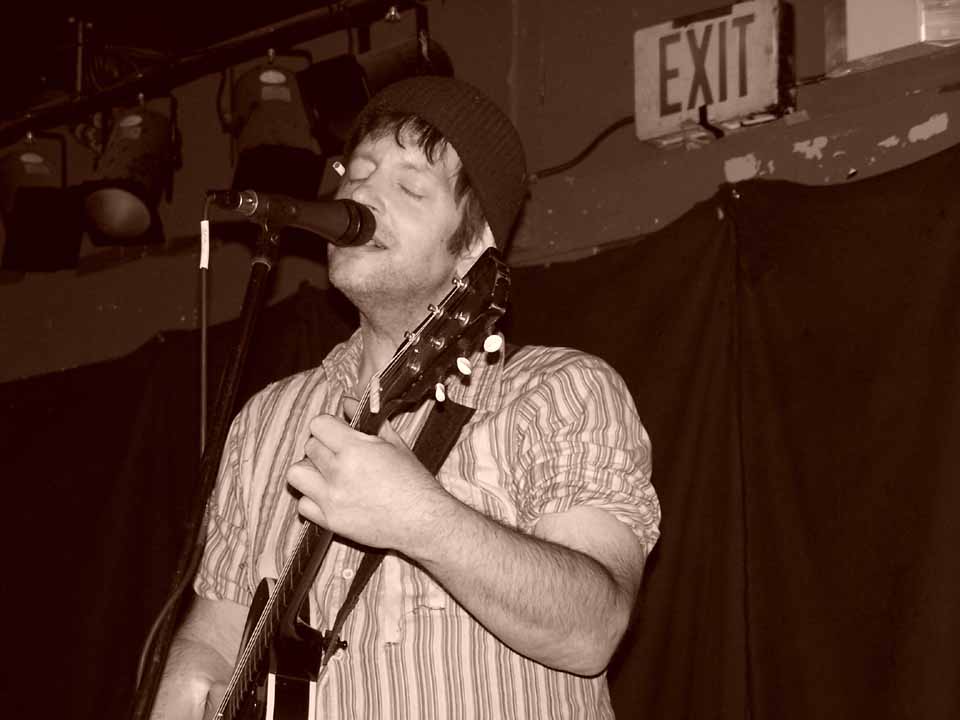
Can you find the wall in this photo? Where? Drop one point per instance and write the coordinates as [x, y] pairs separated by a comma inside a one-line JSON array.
[[564, 71]]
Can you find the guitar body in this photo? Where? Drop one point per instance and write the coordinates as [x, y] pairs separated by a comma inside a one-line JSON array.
[[287, 689]]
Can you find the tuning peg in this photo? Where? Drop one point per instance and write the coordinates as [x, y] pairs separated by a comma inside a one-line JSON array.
[[374, 403], [464, 366], [493, 343], [440, 392]]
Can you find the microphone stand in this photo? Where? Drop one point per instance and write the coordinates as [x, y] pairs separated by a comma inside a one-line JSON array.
[[265, 255]]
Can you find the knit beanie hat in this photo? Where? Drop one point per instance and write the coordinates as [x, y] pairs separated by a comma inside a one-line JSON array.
[[483, 136]]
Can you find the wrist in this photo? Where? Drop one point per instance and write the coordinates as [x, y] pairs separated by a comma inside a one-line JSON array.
[[443, 520]]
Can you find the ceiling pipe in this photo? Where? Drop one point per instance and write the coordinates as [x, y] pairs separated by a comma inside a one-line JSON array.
[[162, 78]]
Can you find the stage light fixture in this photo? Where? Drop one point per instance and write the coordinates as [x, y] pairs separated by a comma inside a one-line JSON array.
[[336, 89], [275, 151], [41, 218], [122, 197]]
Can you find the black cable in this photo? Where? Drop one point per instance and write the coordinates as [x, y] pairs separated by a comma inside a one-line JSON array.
[[172, 601], [546, 172], [622, 122]]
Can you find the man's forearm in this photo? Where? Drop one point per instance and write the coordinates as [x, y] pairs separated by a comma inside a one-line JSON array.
[[199, 665], [192, 669], [553, 604]]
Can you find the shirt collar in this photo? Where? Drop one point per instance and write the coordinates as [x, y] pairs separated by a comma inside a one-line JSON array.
[[342, 364]]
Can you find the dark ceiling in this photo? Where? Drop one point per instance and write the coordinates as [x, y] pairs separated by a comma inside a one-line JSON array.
[[38, 43]]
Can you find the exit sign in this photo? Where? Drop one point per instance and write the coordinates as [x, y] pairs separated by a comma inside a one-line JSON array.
[[724, 59]]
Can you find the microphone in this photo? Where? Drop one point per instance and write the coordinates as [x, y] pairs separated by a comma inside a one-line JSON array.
[[342, 222]]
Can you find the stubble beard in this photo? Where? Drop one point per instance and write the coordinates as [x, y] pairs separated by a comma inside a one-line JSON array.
[[384, 296]]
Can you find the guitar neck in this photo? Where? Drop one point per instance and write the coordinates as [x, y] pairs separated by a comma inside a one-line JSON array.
[[277, 618], [299, 572]]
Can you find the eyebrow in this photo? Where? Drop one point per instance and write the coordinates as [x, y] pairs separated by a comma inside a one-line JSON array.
[[420, 165], [431, 173]]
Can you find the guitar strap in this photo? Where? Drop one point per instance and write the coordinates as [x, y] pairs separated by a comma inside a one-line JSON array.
[[433, 444]]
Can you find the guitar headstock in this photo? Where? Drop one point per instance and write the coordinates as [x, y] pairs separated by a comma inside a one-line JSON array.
[[453, 329]]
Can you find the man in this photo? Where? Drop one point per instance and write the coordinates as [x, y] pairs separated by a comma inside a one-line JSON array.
[[511, 574]]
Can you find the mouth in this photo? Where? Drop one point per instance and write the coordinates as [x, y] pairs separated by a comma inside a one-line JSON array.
[[370, 246]]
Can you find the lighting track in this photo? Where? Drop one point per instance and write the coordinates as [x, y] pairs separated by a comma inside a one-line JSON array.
[[161, 78]]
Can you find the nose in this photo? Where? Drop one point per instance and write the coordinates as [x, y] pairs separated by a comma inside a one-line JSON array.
[[363, 191]]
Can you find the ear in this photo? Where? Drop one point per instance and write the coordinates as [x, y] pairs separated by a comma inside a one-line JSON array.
[[471, 252]]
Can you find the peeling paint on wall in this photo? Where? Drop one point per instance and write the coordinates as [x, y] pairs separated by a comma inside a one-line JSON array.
[[889, 142], [934, 126], [736, 169], [811, 149]]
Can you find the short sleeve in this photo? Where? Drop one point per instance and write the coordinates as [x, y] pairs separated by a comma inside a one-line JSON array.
[[222, 571], [583, 445]]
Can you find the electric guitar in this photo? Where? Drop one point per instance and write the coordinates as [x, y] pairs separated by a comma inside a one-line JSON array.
[[277, 669]]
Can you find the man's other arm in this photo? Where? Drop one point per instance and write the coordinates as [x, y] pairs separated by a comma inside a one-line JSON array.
[[200, 661], [562, 596]]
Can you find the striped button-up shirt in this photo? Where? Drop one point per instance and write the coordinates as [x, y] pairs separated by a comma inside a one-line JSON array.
[[553, 429]]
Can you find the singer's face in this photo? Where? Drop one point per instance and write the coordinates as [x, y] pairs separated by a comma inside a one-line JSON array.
[[407, 265]]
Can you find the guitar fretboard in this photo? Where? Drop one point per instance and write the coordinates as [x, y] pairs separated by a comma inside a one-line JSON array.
[[279, 612]]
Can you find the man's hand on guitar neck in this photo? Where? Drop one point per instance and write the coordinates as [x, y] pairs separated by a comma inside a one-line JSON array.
[[372, 490]]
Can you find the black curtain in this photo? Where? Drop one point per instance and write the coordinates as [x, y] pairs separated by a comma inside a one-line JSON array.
[[793, 352]]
